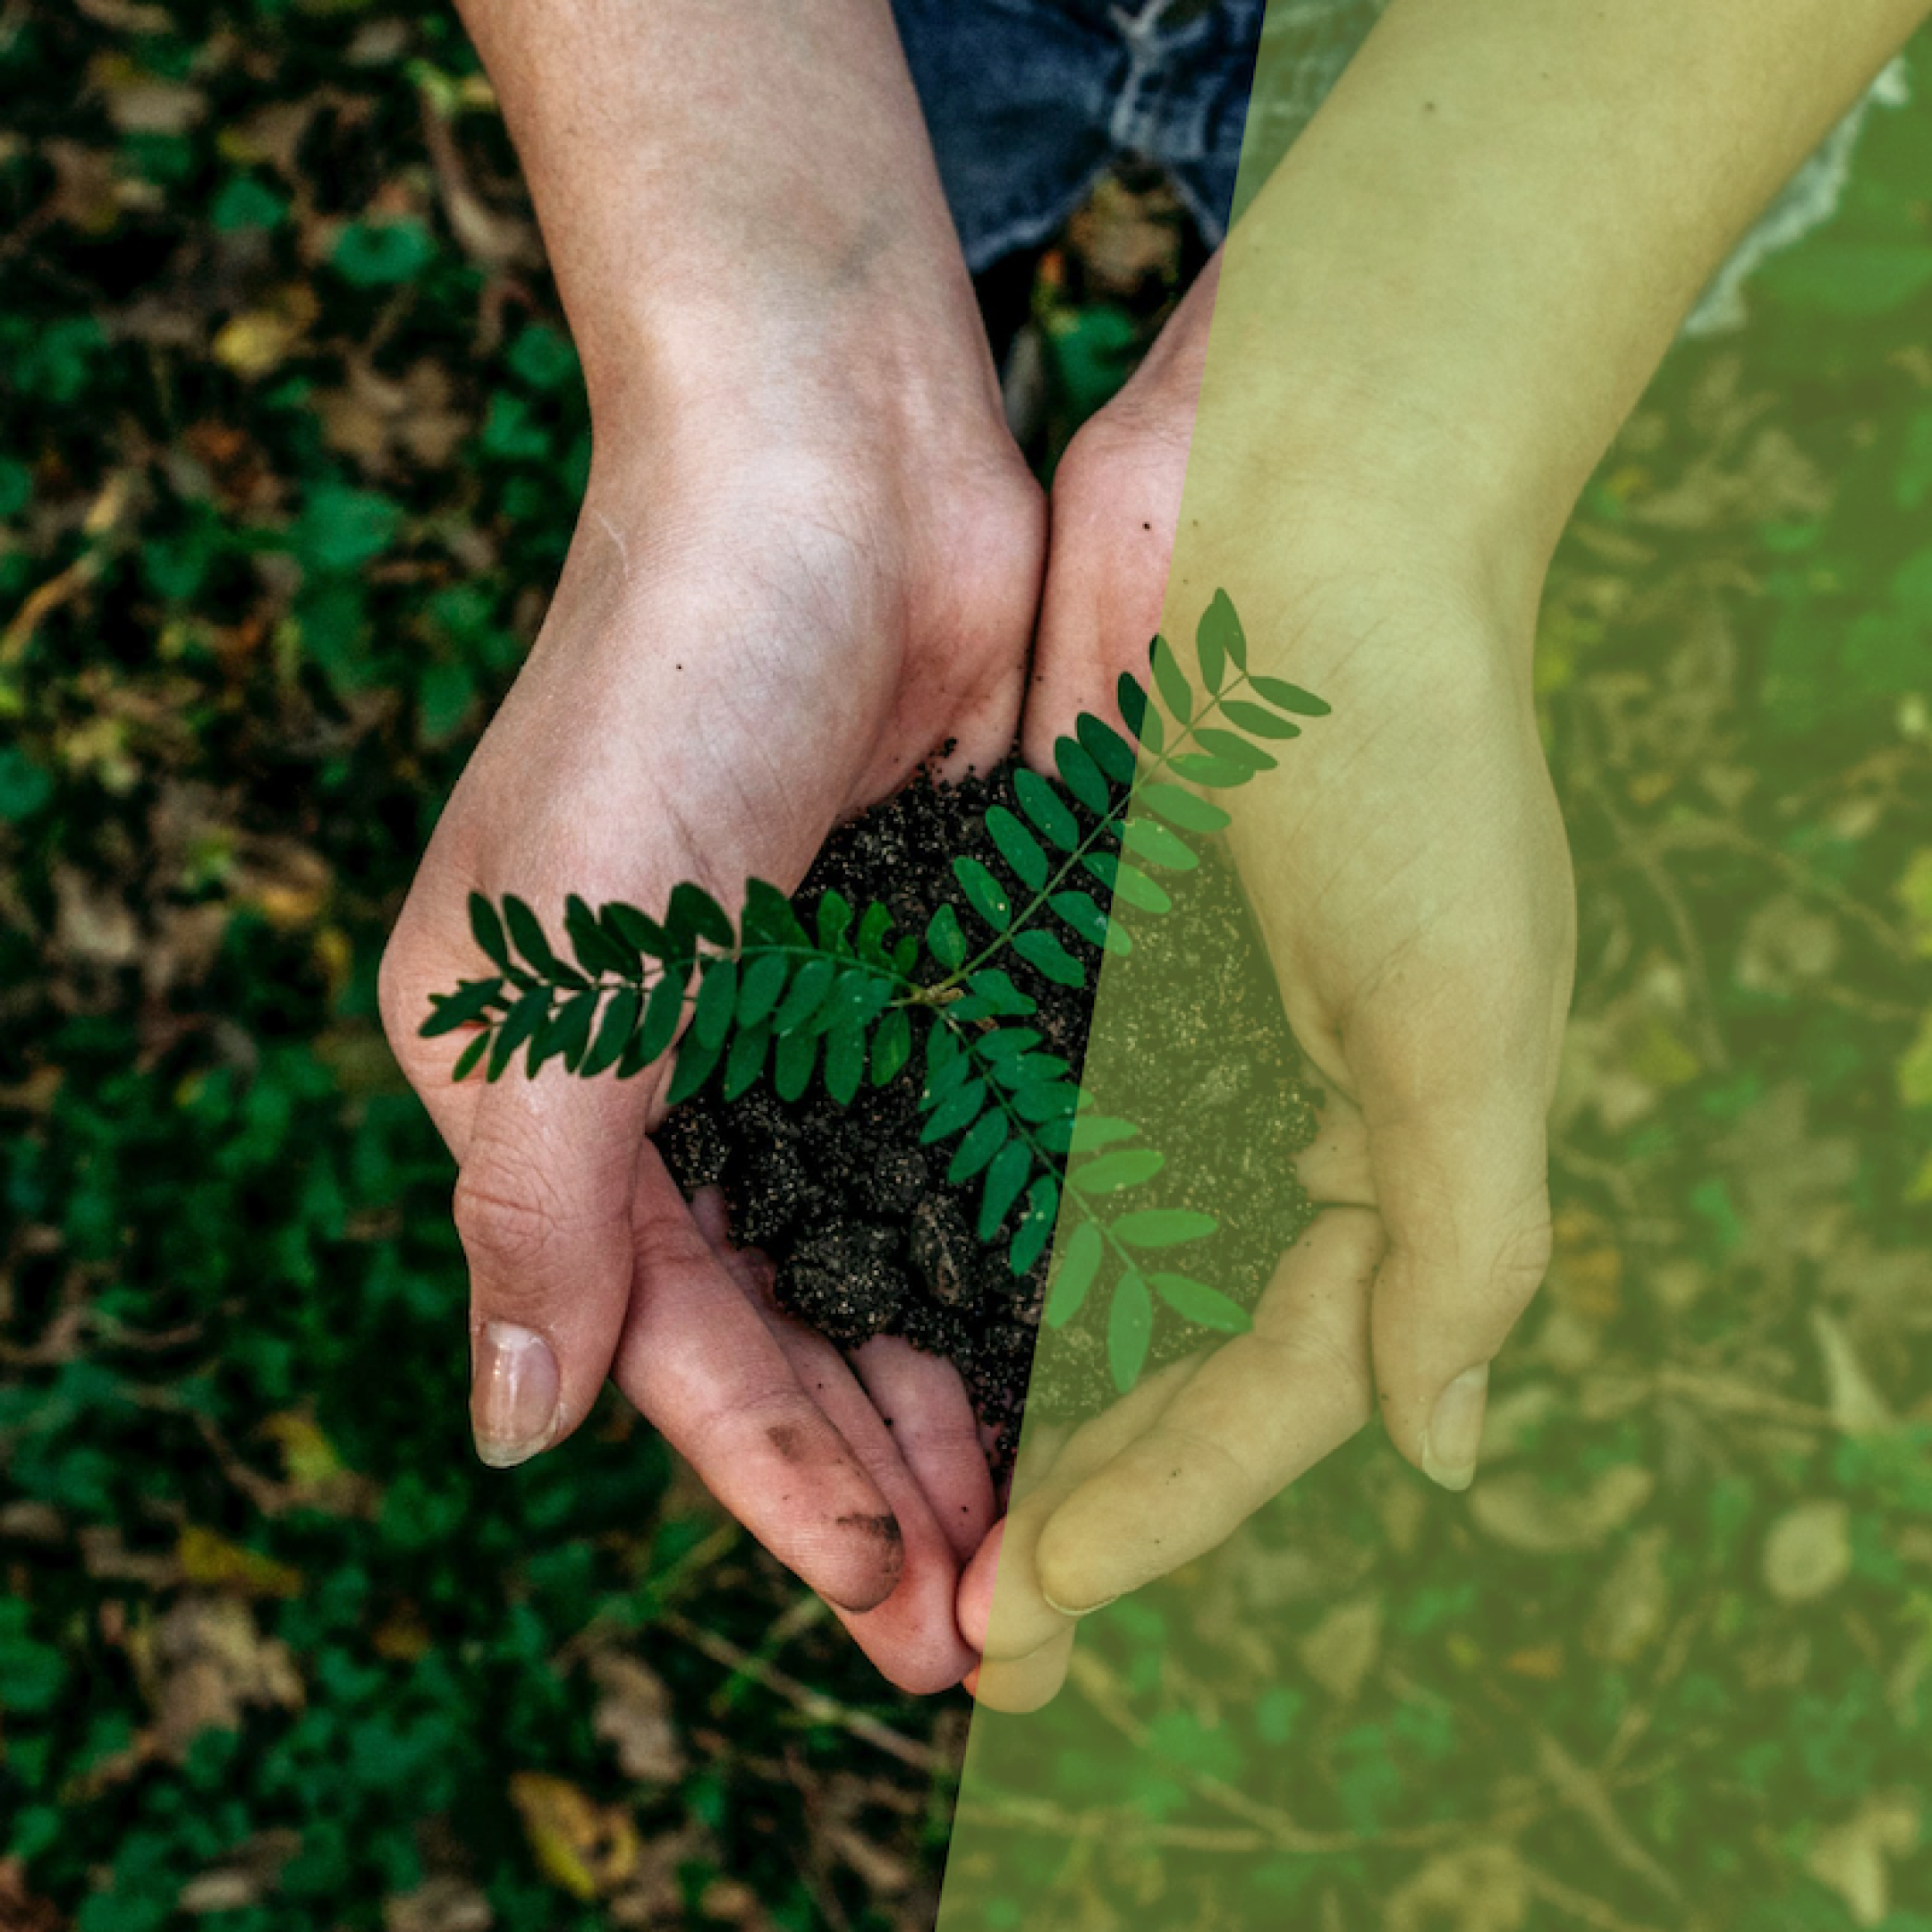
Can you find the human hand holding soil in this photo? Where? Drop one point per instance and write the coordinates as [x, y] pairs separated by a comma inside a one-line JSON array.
[[1430, 322], [1411, 879], [702, 706]]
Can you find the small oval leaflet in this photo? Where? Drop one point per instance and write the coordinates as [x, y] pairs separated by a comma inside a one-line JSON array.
[[1195, 1301], [1130, 1328], [1080, 1262], [1161, 1227], [1017, 846], [984, 893], [1045, 808]]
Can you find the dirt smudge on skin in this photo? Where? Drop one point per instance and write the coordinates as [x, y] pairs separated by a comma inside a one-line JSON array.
[[885, 1529]]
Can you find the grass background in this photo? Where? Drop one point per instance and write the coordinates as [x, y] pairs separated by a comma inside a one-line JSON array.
[[289, 433]]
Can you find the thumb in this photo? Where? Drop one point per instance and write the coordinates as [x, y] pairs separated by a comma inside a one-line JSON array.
[[1458, 1147], [543, 1208]]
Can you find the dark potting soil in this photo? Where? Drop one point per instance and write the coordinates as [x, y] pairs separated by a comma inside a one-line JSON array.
[[868, 1237]]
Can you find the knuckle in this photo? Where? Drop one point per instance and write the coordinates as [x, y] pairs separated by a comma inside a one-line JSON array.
[[1523, 1257], [507, 1221], [399, 1000]]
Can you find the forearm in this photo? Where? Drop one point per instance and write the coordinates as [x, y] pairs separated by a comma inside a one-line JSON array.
[[725, 187], [1458, 281]]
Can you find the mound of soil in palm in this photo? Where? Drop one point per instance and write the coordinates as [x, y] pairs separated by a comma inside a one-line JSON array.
[[867, 1235]]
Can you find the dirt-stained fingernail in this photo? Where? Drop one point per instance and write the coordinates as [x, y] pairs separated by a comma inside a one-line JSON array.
[[513, 1394]]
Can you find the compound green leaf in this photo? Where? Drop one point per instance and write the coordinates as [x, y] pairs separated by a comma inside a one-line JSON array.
[[947, 1077], [527, 930], [1000, 998], [856, 997], [874, 925], [1203, 769], [768, 918], [1029, 1069], [1149, 726], [1050, 1100], [1236, 748], [1127, 882], [567, 1032], [1081, 912], [1006, 1044]]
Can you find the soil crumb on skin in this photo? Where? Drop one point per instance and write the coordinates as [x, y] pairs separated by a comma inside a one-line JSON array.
[[870, 1238]]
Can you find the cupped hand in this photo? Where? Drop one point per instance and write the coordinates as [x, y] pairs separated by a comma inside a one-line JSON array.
[[1410, 874], [757, 632]]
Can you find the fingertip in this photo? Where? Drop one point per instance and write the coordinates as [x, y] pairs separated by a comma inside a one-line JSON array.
[[975, 1587], [1021, 1685], [864, 1562]]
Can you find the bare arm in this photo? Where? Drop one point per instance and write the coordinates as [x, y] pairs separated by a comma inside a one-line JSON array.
[[1463, 275], [724, 185]]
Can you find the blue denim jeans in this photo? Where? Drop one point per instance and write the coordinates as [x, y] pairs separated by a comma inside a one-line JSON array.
[[1028, 101]]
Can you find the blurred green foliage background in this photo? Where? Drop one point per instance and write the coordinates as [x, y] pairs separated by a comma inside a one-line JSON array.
[[290, 441]]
